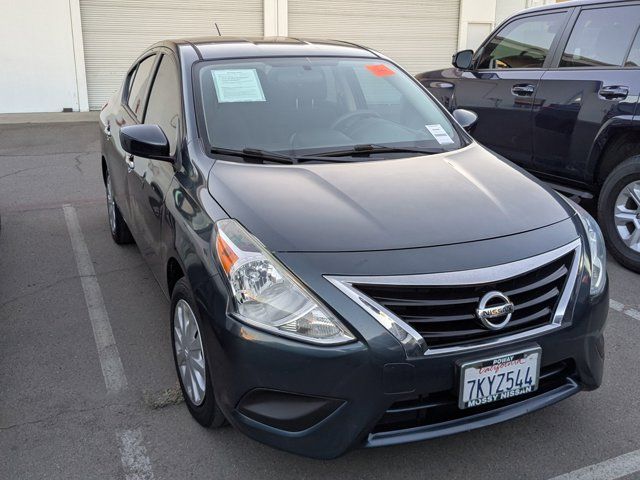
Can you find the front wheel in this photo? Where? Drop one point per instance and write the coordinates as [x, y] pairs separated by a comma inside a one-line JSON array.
[[619, 212], [118, 227], [190, 358]]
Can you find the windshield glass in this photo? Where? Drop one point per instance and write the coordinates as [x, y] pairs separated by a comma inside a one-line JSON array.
[[301, 106]]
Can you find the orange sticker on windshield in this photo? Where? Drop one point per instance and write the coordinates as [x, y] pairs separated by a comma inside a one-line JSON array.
[[380, 70]]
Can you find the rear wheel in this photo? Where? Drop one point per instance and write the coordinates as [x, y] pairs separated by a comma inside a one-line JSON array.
[[619, 212], [189, 355], [118, 227]]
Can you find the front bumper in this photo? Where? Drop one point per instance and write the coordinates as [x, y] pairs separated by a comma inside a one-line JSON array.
[[377, 397], [322, 401]]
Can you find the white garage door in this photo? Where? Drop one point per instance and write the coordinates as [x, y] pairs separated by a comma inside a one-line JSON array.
[[418, 34], [116, 32]]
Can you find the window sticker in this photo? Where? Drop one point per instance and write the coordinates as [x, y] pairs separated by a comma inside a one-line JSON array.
[[441, 136], [380, 70], [238, 85]]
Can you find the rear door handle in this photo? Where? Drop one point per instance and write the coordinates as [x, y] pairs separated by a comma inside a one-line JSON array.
[[523, 90], [614, 92]]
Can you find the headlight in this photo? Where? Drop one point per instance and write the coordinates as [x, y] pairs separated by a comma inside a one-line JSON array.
[[597, 249], [267, 296]]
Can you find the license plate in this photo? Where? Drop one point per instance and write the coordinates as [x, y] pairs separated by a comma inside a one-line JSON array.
[[499, 378]]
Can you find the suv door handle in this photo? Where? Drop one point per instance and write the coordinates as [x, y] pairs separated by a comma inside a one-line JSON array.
[[523, 90], [614, 92], [107, 131]]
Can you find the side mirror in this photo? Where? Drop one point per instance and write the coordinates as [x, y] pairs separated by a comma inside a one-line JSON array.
[[147, 141], [466, 118], [463, 59]]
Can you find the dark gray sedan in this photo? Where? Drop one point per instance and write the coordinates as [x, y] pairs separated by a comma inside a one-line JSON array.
[[346, 266]]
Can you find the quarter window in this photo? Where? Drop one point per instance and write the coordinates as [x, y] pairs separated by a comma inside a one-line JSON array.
[[523, 43], [601, 37], [633, 60], [163, 108], [138, 88]]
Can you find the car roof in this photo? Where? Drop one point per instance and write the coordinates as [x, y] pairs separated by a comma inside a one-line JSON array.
[[214, 48], [569, 4]]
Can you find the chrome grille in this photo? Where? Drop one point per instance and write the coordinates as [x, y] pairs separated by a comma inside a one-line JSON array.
[[444, 315]]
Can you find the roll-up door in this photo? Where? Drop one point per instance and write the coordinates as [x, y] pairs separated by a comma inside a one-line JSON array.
[[418, 34], [116, 32]]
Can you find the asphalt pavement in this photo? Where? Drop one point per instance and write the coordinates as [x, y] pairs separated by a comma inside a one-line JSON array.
[[60, 419]]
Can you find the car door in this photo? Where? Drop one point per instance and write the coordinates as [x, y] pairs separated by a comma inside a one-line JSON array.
[[592, 80], [149, 180], [501, 85], [128, 112]]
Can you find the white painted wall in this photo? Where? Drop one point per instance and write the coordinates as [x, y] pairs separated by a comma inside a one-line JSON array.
[[475, 16], [479, 17], [37, 62]]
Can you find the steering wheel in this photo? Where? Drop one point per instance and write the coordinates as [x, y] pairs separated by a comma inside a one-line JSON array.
[[343, 122]]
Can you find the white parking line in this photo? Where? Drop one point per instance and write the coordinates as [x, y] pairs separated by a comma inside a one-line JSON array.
[[133, 455], [611, 469], [112, 370], [622, 308]]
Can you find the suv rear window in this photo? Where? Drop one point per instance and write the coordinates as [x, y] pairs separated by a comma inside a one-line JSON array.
[[601, 37]]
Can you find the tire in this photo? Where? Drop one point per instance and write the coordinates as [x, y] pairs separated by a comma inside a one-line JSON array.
[[117, 226], [203, 407], [614, 192]]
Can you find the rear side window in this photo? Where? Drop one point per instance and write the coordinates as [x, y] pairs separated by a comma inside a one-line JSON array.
[[163, 108], [601, 37], [139, 85], [523, 43]]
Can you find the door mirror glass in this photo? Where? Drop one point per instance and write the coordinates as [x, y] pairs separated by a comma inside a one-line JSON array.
[[147, 141], [463, 59], [466, 118]]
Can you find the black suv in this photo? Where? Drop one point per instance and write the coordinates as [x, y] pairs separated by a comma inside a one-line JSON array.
[[556, 90]]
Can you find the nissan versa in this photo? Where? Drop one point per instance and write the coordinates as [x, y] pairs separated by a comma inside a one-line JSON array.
[[346, 266]]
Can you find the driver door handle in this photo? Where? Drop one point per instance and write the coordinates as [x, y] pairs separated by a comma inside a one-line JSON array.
[[107, 131], [523, 90], [614, 92], [131, 164]]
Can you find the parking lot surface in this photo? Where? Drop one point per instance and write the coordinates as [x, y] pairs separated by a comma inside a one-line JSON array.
[[70, 298]]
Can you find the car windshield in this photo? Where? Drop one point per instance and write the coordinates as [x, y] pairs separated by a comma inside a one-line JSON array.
[[310, 106]]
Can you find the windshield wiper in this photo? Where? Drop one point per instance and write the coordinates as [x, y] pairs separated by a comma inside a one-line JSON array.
[[256, 154], [371, 148], [259, 156]]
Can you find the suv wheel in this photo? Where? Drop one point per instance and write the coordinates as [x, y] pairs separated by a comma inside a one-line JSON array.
[[619, 212], [190, 358], [118, 227]]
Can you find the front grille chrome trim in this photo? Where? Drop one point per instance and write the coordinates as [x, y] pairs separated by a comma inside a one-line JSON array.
[[415, 344]]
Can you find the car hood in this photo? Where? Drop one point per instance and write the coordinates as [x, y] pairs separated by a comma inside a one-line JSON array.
[[427, 200]]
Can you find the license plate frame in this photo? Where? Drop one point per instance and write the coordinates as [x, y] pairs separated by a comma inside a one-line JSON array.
[[532, 358]]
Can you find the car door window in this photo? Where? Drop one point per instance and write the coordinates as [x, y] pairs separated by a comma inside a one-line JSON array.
[[163, 107], [601, 37], [138, 88], [633, 59], [523, 43]]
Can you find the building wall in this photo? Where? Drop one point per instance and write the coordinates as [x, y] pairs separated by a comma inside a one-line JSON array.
[[37, 61], [42, 51]]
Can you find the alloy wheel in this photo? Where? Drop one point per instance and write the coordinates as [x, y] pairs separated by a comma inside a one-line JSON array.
[[111, 205], [189, 352], [627, 215]]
